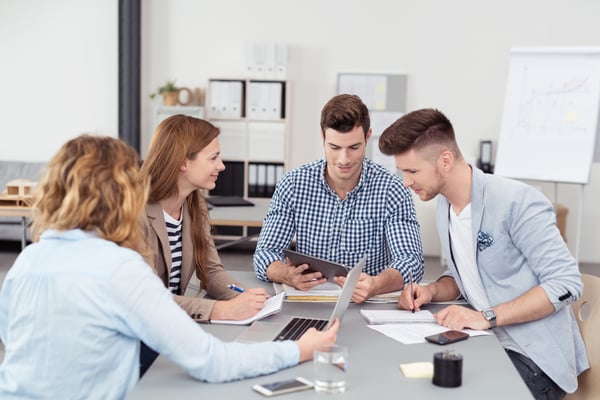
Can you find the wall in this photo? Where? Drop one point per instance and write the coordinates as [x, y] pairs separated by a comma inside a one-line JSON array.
[[58, 74], [455, 54], [59, 66]]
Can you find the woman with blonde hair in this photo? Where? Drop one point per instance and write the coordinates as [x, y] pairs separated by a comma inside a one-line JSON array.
[[184, 156], [76, 303]]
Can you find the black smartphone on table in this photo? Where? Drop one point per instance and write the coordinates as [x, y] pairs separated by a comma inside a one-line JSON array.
[[447, 337]]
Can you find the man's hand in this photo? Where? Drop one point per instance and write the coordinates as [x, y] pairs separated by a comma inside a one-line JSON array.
[[365, 287], [421, 295], [458, 317], [294, 276]]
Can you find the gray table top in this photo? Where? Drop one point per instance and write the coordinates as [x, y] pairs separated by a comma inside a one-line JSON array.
[[374, 365]]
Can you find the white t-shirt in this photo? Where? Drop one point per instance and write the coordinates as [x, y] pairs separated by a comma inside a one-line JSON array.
[[463, 251]]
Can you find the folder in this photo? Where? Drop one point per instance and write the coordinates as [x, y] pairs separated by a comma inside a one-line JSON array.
[[275, 101], [214, 106], [253, 103], [252, 180], [262, 180], [270, 60], [259, 60], [281, 61]]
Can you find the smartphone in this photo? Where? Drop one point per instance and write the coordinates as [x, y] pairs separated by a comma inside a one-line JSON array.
[[288, 386], [447, 337]]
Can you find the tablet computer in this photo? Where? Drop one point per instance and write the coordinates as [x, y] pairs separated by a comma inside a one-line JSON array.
[[329, 269]]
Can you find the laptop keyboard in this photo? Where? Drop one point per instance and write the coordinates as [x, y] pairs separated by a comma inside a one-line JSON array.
[[297, 326]]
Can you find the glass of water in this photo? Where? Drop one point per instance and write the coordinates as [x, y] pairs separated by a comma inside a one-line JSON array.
[[330, 366]]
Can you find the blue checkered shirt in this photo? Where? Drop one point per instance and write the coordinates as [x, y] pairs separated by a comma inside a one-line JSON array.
[[377, 218]]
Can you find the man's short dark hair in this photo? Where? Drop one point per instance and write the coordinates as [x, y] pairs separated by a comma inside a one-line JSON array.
[[343, 113], [416, 130]]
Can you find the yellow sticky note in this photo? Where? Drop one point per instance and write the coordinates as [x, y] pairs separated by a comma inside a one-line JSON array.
[[571, 116], [417, 370]]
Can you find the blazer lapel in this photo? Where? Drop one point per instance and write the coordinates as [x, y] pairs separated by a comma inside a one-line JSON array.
[[477, 207], [187, 263], [156, 218]]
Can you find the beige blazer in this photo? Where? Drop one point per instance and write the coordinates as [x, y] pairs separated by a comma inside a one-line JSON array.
[[199, 308]]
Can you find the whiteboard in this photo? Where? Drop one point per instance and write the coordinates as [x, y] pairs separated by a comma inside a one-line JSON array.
[[550, 117]]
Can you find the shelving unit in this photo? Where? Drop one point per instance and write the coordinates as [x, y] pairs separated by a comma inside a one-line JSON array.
[[254, 121], [253, 118]]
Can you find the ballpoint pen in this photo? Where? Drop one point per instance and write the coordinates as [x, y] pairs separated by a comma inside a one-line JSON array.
[[412, 293], [235, 288]]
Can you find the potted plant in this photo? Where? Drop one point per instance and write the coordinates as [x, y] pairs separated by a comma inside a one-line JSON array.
[[169, 92]]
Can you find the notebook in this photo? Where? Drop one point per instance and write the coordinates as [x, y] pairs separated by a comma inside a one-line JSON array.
[[294, 327], [271, 306], [329, 269]]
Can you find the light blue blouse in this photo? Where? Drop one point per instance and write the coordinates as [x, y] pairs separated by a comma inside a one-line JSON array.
[[73, 309]]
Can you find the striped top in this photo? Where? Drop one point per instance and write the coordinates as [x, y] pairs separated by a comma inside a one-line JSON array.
[[174, 235]]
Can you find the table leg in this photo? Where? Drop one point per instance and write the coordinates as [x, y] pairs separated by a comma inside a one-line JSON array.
[[24, 237]]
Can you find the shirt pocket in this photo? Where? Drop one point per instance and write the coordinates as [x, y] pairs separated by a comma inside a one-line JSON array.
[[357, 236]]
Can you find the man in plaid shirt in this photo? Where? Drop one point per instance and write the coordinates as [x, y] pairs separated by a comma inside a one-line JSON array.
[[340, 208]]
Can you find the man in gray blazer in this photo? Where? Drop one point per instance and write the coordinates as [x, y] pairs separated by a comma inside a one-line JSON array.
[[505, 255]]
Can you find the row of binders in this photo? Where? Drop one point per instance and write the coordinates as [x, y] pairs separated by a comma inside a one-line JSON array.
[[265, 99], [226, 98], [266, 60], [262, 178]]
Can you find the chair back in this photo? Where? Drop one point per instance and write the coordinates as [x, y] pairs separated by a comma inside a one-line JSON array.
[[587, 313]]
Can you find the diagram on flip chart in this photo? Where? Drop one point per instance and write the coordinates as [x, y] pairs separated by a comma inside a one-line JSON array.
[[550, 117]]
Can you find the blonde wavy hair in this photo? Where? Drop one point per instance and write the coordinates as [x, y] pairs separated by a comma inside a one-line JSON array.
[[93, 184]]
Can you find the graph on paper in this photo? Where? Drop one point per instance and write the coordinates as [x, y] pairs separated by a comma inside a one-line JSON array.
[[550, 117]]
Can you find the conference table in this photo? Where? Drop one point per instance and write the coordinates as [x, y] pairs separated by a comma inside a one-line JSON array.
[[374, 364]]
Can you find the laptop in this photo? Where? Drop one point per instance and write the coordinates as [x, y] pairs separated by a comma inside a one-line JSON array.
[[294, 327], [228, 201], [329, 269]]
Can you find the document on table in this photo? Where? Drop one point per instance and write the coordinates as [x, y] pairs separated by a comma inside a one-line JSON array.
[[271, 306], [326, 292], [408, 333], [377, 317]]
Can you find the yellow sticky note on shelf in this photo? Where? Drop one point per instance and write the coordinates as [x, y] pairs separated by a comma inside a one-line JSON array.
[[417, 369]]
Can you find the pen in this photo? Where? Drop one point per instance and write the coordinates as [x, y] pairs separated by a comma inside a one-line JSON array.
[[235, 288], [412, 294]]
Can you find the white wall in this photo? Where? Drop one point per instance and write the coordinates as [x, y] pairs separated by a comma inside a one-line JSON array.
[[58, 74], [455, 53], [58, 66]]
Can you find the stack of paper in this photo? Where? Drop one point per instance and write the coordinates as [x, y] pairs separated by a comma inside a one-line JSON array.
[[326, 292]]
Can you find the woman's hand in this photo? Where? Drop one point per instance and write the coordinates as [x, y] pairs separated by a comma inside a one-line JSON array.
[[242, 306]]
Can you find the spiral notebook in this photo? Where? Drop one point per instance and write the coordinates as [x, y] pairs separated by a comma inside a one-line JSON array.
[[380, 317]]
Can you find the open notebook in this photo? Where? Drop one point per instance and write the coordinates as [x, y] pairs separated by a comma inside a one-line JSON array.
[[294, 327], [271, 306]]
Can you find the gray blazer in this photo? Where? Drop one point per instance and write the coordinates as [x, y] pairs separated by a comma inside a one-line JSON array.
[[518, 246]]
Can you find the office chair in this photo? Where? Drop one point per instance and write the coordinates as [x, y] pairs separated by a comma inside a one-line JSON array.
[[587, 313]]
